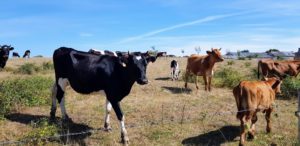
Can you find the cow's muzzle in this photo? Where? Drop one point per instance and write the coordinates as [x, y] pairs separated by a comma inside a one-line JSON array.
[[142, 81]]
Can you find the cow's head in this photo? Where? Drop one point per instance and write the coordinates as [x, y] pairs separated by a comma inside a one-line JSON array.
[[216, 54], [4, 51], [275, 83], [137, 64]]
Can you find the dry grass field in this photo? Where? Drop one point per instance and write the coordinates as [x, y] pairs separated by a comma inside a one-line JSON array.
[[159, 113]]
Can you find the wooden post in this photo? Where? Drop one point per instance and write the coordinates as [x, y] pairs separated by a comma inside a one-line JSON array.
[[297, 113]]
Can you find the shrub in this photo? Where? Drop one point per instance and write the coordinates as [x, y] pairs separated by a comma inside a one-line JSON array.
[[30, 91], [41, 132], [28, 68], [247, 64], [230, 62], [47, 66], [289, 87], [227, 77]]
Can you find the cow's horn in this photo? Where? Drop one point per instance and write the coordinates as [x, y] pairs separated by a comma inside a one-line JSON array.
[[220, 49]]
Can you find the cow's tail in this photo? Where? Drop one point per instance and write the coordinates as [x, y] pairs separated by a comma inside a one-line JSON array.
[[237, 92], [258, 69]]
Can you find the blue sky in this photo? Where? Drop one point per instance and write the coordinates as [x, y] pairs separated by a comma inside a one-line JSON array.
[[169, 25]]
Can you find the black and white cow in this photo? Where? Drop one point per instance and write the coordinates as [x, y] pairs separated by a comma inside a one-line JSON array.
[[86, 73], [26, 54], [4, 54], [100, 52], [174, 70], [15, 54]]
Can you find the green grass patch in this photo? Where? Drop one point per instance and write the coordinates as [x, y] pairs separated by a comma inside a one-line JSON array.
[[227, 77], [30, 91]]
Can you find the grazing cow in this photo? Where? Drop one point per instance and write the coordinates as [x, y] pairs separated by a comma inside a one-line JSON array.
[[252, 97], [4, 54], [280, 69], [26, 54], [15, 54], [174, 70], [203, 66], [100, 52], [87, 73]]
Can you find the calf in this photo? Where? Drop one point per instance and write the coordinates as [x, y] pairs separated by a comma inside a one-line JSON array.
[[280, 69], [174, 70], [4, 54], [15, 54], [203, 66], [252, 97], [26, 54], [87, 73]]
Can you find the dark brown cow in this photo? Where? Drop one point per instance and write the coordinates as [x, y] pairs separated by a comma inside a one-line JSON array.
[[252, 97], [203, 66], [281, 69]]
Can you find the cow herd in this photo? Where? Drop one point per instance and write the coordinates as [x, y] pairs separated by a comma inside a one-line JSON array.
[[116, 72], [4, 54]]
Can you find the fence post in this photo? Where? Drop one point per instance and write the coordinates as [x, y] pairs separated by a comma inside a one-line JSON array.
[[297, 113]]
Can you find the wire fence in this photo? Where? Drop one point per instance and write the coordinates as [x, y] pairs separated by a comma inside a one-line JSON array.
[[66, 135]]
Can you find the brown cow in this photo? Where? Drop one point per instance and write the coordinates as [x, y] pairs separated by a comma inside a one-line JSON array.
[[252, 97], [203, 66], [281, 69]]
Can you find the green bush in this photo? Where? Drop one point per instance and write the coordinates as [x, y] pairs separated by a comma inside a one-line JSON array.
[[289, 87], [41, 132], [47, 66], [227, 77], [230, 62], [30, 91], [28, 68], [247, 64]]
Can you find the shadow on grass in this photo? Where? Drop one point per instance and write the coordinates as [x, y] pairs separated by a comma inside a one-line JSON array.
[[214, 138], [177, 90], [163, 78], [69, 127]]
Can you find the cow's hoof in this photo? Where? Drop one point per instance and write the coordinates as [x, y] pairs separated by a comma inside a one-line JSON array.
[[251, 136], [125, 141]]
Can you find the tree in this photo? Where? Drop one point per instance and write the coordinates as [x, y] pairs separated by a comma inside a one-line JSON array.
[[198, 50], [182, 51]]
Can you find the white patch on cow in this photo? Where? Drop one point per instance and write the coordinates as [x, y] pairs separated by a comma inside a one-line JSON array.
[[63, 108], [63, 83], [108, 110], [122, 125], [138, 57]]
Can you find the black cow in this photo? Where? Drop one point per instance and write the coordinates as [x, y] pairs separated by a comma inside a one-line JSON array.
[[100, 52], [4, 54], [15, 54], [86, 73], [26, 54]]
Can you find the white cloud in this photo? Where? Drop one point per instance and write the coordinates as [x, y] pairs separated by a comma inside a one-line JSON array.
[[199, 21]]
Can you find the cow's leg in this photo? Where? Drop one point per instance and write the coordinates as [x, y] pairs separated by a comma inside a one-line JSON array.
[[196, 82], [107, 116], [205, 82], [187, 74], [252, 128], [63, 83], [268, 118], [209, 83], [53, 98], [121, 118], [243, 130]]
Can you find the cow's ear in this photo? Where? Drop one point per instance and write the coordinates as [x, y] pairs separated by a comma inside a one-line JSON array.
[[11, 48], [208, 52], [151, 59], [146, 54], [275, 85]]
